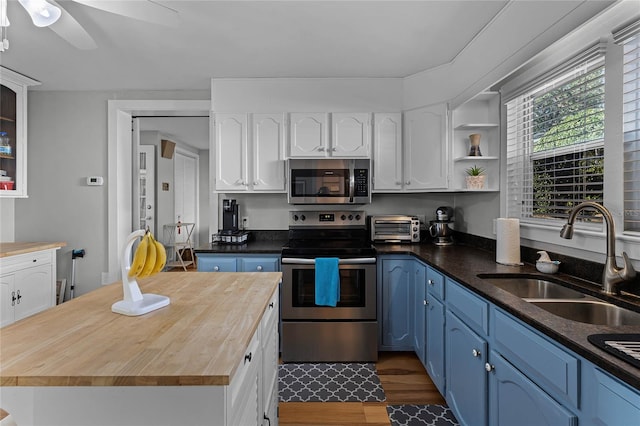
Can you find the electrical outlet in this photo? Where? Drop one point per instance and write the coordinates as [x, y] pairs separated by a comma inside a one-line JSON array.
[[245, 222]]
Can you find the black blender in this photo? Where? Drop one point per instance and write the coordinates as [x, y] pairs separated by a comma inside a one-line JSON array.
[[439, 228]]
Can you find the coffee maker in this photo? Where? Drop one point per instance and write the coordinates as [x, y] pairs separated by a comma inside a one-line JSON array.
[[439, 228], [229, 217]]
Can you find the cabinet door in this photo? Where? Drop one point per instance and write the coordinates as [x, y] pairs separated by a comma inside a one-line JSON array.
[[350, 135], [268, 152], [35, 291], [207, 263], [259, 264], [308, 135], [7, 302], [397, 296], [387, 152], [465, 372], [435, 344], [425, 153], [231, 152], [515, 400], [419, 310]]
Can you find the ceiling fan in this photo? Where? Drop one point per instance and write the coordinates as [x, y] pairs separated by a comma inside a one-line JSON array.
[[52, 14]]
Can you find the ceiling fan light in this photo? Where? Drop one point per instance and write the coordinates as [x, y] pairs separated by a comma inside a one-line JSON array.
[[42, 13]]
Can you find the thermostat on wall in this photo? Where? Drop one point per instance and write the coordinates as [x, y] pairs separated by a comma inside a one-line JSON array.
[[95, 180]]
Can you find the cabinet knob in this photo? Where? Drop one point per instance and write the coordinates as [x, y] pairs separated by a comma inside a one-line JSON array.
[[476, 353], [255, 183], [216, 268], [334, 149], [13, 298], [408, 182], [259, 268], [271, 305], [430, 281], [321, 148], [19, 297], [247, 357], [489, 367]]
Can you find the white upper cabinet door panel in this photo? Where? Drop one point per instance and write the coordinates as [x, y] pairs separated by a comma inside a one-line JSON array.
[[425, 151], [387, 152], [350, 135], [308, 133], [231, 149], [268, 152]]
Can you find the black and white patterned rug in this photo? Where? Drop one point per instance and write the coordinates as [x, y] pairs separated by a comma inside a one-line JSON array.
[[421, 415], [329, 382]]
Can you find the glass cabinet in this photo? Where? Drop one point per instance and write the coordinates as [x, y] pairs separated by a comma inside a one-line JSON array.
[[13, 133]]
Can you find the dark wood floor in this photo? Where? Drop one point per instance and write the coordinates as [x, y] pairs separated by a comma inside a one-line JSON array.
[[403, 379]]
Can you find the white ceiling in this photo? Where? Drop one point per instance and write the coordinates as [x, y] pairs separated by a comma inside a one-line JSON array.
[[295, 38]]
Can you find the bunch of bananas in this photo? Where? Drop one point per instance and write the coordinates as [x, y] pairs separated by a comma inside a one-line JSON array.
[[149, 258]]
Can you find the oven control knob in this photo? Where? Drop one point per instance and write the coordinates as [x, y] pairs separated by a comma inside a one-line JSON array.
[[350, 217], [302, 217], [295, 217], [357, 217], [343, 217]]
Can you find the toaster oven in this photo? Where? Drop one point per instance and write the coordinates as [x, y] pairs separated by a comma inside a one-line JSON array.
[[394, 229]]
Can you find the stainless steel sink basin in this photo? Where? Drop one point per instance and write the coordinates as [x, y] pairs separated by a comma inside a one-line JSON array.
[[590, 311], [532, 288]]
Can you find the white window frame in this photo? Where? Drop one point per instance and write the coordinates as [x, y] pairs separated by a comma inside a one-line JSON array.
[[589, 239]]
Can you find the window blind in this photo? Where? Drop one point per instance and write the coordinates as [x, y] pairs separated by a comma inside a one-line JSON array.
[[555, 144], [631, 131]]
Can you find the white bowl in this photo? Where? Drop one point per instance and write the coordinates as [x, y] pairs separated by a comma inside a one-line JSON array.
[[548, 267]]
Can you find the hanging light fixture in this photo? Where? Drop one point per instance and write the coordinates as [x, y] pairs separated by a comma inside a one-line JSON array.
[[42, 12]]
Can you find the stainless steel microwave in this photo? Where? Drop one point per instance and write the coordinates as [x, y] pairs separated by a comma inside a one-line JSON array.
[[329, 181]]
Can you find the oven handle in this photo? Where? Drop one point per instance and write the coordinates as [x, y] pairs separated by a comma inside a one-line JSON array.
[[304, 261]]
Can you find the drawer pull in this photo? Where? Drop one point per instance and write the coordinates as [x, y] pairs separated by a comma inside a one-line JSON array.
[[265, 417], [489, 367], [247, 358], [476, 353], [271, 305], [216, 268], [259, 267]]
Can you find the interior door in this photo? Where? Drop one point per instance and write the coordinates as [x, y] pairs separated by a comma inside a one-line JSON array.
[[186, 192], [147, 187]]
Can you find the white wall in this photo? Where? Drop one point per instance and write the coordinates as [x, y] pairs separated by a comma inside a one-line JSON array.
[[7, 220], [68, 142]]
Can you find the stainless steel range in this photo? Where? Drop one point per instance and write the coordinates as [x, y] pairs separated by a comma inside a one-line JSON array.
[[348, 331]]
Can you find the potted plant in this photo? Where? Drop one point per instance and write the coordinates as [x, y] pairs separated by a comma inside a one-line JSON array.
[[475, 177]]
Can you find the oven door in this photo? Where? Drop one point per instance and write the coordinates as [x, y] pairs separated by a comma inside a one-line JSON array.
[[357, 291]]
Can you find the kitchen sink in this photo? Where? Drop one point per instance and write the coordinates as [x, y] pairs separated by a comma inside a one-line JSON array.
[[589, 311], [531, 287]]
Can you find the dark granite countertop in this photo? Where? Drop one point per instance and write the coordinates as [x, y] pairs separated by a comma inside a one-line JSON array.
[[464, 263]]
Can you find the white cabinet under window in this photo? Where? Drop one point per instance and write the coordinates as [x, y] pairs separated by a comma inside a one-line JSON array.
[[350, 135], [479, 116], [249, 157]]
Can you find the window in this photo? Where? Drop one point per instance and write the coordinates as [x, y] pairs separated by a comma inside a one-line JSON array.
[[555, 142], [631, 126]]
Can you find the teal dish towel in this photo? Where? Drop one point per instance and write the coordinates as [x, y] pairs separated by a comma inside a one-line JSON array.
[[327, 281]]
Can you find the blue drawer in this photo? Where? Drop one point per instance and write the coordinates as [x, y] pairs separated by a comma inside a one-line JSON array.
[[470, 308], [435, 283]]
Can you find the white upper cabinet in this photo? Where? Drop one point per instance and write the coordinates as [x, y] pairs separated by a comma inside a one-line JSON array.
[[268, 152], [231, 152], [308, 133], [13, 125], [350, 135], [425, 153], [249, 160], [387, 152]]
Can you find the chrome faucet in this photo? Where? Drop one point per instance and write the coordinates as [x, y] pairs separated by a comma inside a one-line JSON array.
[[612, 276]]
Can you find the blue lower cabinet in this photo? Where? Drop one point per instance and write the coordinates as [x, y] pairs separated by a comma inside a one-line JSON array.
[[466, 378], [259, 264], [208, 263], [515, 400], [396, 304], [608, 401], [419, 310], [435, 343]]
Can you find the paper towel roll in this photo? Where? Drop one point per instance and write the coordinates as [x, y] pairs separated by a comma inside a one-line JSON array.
[[508, 241]]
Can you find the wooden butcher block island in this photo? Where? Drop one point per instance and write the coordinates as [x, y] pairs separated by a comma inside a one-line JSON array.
[[210, 357]]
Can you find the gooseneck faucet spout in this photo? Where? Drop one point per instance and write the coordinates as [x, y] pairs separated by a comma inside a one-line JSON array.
[[612, 276]]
